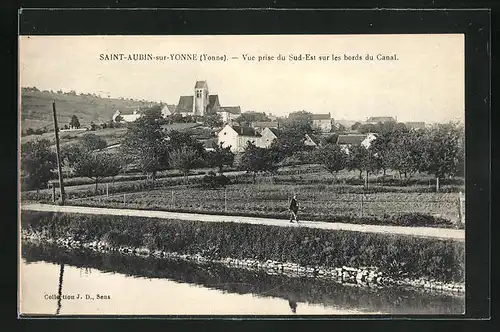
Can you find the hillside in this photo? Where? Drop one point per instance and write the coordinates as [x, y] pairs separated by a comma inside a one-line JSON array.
[[36, 108]]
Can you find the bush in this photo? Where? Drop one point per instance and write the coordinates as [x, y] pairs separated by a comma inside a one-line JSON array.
[[214, 181], [395, 255]]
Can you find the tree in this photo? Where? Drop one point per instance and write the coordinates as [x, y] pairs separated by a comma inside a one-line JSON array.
[[93, 142], [338, 128], [444, 151], [256, 160], [368, 128], [72, 153], [220, 157], [176, 118], [246, 118], [356, 158], [213, 120], [332, 158], [293, 134], [184, 159], [406, 152], [75, 123], [146, 144], [381, 148], [154, 112], [37, 164], [355, 126], [178, 139], [119, 118], [96, 166]]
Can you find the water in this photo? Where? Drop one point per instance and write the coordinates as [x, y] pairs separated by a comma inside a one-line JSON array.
[[131, 285]]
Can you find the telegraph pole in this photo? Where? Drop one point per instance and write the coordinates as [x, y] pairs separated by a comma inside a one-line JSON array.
[[58, 152]]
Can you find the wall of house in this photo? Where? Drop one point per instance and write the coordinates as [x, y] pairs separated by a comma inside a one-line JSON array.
[[266, 139], [228, 137]]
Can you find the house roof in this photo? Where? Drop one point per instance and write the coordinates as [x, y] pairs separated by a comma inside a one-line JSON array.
[[170, 107], [185, 104], [265, 124], [415, 124], [245, 131], [275, 131], [231, 109], [381, 119], [201, 85], [321, 116], [350, 139]]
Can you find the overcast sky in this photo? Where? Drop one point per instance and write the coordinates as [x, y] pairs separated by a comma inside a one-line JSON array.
[[426, 83]]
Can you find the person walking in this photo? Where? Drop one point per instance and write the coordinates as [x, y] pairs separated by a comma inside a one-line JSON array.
[[294, 209]]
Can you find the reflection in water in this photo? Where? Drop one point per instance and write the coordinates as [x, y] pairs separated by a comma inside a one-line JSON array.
[[59, 290], [293, 306], [296, 290]]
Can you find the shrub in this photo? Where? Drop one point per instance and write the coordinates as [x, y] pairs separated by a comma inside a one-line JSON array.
[[214, 181]]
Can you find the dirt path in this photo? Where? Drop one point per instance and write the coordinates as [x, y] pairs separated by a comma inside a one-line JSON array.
[[441, 233]]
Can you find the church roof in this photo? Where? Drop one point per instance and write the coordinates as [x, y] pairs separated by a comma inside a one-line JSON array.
[[201, 85], [185, 104], [245, 131], [231, 109], [213, 103]]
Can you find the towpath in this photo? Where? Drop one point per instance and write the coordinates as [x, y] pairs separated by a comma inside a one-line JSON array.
[[430, 232]]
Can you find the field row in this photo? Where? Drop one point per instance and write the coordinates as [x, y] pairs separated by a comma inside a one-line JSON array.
[[273, 200]]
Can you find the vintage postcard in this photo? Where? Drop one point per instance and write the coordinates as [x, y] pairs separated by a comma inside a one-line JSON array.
[[242, 175]]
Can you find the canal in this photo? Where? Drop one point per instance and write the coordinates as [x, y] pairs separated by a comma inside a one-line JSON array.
[[60, 281]]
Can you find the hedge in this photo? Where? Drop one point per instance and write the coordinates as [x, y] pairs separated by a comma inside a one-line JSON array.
[[395, 255]]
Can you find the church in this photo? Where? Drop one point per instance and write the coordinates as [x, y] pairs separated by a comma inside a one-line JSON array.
[[202, 102]]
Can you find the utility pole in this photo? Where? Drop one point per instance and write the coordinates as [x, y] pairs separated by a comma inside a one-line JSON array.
[[58, 152]]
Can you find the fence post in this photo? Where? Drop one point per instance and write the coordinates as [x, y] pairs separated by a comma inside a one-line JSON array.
[[53, 193], [461, 207], [362, 196], [172, 198], [124, 199], [107, 189], [225, 199], [437, 184]]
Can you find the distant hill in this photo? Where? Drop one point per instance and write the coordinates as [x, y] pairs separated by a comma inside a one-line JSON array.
[[36, 108]]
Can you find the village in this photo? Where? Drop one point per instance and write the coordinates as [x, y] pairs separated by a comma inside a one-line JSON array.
[[379, 203], [237, 131]]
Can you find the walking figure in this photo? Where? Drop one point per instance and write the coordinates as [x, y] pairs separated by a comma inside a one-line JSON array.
[[294, 209]]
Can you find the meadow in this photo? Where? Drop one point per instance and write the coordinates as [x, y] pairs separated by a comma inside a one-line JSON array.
[[316, 203]]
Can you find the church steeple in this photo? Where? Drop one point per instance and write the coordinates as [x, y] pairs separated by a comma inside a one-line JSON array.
[[200, 102]]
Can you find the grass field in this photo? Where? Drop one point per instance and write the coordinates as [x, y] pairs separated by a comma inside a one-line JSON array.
[[316, 203], [36, 108]]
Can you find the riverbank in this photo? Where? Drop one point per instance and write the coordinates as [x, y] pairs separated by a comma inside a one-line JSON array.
[[357, 258], [232, 282]]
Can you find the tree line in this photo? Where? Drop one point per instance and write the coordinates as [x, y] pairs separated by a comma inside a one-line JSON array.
[[438, 150]]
